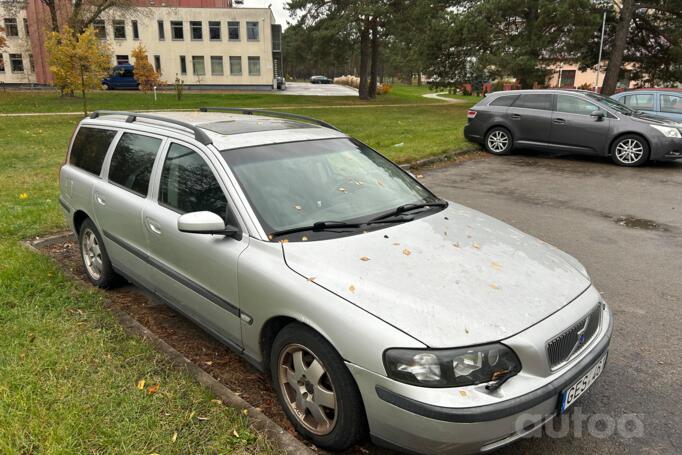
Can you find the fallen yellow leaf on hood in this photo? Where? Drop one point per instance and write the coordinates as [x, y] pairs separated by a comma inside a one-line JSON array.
[[364, 258], [351, 288], [407, 252]]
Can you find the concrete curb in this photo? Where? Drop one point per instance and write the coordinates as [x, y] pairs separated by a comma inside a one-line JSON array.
[[279, 437], [447, 156]]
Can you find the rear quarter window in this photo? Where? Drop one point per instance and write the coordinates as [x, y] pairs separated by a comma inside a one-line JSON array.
[[90, 147], [504, 101]]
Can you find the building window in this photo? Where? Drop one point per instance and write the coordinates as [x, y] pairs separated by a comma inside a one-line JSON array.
[[235, 66], [196, 30], [119, 29], [122, 60], [214, 31], [136, 31], [567, 78], [176, 30], [2, 63], [183, 65], [233, 31], [11, 28], [16, 63], [26, 31], [254, 66], [252, 31], [198, 66], [216, 65], [31, 63], [162, 31], [157, 63], [100, 29]]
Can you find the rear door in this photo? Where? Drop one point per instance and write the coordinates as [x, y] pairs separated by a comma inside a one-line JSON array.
[[197, 273], [530, 118], [671, 106], [575, 129], [120, 199]]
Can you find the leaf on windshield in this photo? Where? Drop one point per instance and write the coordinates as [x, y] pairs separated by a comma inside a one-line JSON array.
[[419, 176], [298, 207], [456, 244], [380, 183], [496, 265], [364, 258], [407, 252], [476, 245], [343, 190], [304, 238], [494, 286], [351, 288]]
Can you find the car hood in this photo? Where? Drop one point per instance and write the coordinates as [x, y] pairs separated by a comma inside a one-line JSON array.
[[454, 278], [653, 119]]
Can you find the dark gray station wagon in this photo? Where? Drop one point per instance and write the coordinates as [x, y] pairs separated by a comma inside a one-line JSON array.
[[572, 121]]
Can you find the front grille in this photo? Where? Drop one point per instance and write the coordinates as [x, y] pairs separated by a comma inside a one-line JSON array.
[[574, 339]]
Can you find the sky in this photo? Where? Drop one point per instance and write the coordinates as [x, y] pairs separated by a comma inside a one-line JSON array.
[[277, 9]]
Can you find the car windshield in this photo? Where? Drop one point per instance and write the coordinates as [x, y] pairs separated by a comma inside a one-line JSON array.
[[298, 184], [613, 104]]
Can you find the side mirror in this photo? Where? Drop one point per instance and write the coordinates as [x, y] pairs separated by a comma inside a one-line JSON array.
[[599, 115], [206, 223]]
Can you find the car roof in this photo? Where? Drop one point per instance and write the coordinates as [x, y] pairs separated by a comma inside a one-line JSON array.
[[539, 90], [652, 90], [230, 131]]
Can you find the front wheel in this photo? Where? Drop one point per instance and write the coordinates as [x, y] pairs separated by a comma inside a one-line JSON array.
[[498, 141], [630, 150], [315, 388]]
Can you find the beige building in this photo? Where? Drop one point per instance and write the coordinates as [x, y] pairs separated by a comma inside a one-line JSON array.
[[210, 47], [568, 75]]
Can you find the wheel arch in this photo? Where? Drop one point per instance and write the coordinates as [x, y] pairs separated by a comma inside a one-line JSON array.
[[79, 216], [626, 133]]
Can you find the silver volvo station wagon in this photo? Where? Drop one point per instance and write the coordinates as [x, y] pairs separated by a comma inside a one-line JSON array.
[[376, 308]]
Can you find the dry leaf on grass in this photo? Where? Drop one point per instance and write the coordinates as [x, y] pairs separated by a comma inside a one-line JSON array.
[[175, 437], [140, 384], [153, 389]]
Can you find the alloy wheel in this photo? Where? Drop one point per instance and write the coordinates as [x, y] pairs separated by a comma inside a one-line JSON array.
[[307, 389], [92, 254], [498, 141], [629, 151]]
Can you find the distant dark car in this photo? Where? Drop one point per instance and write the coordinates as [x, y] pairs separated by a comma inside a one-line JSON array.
[[121, 77], [666, 102], [573, 121], [320, 80]]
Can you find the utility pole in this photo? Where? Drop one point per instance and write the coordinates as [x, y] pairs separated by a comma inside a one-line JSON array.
[[601, 46]]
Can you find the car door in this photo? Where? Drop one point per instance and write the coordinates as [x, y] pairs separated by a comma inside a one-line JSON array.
[[575, 129], [530, 118], [197, 273], [119, 202], [671, 106]]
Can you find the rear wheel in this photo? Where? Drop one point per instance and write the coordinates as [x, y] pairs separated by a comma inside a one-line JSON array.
[[95, 258], [630, 150], [498, 141], [315, 388]]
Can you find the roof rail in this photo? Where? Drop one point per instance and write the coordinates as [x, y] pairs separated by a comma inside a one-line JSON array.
[[283, 115], [199, 134]]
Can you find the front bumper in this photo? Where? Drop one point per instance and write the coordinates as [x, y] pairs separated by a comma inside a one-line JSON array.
[[412, 425], [666, 148]]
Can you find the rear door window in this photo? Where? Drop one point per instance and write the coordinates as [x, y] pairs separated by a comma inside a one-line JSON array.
[[90, 147], [132, 162], [541, 101], [671, 103], [504, 101]]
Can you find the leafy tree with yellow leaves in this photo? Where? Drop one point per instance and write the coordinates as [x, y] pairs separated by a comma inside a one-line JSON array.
[[145, 74], [3, 39], [78, 61]]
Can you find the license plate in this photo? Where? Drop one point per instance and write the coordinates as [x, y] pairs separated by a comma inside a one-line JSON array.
[[571, 394]]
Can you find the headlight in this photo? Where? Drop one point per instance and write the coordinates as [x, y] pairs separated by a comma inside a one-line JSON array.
[[451, 367], [668, 131]]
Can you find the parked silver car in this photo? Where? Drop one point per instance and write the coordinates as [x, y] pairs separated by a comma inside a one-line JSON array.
[[375, 307]]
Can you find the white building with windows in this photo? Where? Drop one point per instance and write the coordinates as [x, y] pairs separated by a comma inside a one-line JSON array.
[[208, 47]]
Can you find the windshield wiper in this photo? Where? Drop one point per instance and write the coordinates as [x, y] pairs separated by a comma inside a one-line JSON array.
[[408, 208], [317, 227]]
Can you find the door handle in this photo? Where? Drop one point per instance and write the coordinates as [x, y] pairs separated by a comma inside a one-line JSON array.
[[153, 226], [515, 116], [559, 121], [100, 199]]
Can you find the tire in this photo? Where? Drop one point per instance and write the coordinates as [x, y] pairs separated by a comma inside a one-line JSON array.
[[319, 376], [95, 258], [498, 141], [630, 150]]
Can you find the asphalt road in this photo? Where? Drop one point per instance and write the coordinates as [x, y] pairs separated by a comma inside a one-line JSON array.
[[625, 226]]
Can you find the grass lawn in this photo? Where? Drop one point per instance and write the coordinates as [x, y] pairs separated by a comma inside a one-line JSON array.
[[50, 101], [68, 372]]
